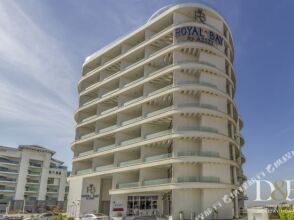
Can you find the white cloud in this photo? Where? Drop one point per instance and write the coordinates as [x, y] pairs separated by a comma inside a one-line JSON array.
[[37, 80]]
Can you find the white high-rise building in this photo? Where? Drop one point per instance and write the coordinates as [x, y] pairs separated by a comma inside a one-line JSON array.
[[158, 132], [31, 179]]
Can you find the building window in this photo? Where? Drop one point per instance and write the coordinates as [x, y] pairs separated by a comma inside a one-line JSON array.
[[142, 205]]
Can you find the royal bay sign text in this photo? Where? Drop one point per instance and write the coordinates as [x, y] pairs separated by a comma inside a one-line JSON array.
[[193, 33]]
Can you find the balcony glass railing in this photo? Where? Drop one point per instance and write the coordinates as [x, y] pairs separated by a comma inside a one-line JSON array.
[[130, 162], [87, 135], [158, 134], [157, 112], [131, 141], [198, 128], [105, 167], [35, 165], [130, 121], [7, 188], [34, 173], [133, 101], [160, 90], [127, 185], [133, 82], [89, 118], [6, 179], [198, 105], [109, 93], [89, 102], [201, 153], [157, 157], [86, 171], [107, 129], [5, 160], [109, 110], [105, 148], [31, 189], [33, 181], [156, 181], [197, 83], [6, 170], [202, 179], [86, 153]]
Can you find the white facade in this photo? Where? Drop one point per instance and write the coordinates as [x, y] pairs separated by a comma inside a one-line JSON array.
[[157, 129], [31, 179]]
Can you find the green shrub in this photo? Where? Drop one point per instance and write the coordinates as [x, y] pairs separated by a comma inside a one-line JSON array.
[[286, 212], [70, 218], [60, 217]]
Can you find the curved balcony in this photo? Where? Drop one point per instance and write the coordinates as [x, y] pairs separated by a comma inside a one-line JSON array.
[[158, 160], [151, 138], [155, 94], [8, 161], [7, 180], [166, 51], [114, 128], [198, 182], [155, 37], [7, 170], [127, 104]]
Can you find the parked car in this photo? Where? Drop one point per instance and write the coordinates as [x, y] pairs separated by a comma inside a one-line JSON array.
[[46, 216], [89, 216]]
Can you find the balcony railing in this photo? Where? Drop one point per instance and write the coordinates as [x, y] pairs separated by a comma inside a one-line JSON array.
[[85, 153], [131, 141], [133, 82], [130, 121], [89, 118], [4, 160], [158, 134], [127, 185], [6, 179], [89, 102], [6, 170], [105, 167], [105, 148], [86, 171], [198, 105], [109, 110], [133, 101], [156, 181], [157, 157], [157, 112], [110, 92], [7, 188], [34, 173], [107, 129], [33, 181], [130, 162], [201, 153], [202, 179], [31, 189], [160, 90], [87, 135], [198, 128]]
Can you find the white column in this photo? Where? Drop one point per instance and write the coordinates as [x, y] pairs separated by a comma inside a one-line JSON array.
[[62, 185], [22, 175], [44, 177]]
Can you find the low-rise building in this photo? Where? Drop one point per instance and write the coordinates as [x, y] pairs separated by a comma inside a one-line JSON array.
[[31, 179]]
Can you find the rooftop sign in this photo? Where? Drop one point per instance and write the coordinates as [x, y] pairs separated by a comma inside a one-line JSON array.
[[193, 33]]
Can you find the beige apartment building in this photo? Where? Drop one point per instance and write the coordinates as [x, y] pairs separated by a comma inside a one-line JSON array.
[[31, 179], [158, 132]]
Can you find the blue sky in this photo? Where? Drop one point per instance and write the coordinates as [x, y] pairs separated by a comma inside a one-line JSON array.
[[44, 43]]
